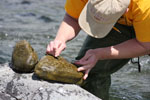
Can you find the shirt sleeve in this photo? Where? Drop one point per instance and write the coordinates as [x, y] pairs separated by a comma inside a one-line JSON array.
[[141, 23], [74, 7]]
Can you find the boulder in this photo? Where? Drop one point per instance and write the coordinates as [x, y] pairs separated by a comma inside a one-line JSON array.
[[16, 86], [58, 69], [24, 58]]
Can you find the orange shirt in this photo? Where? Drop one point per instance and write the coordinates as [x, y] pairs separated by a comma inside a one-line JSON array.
[[138, 15]]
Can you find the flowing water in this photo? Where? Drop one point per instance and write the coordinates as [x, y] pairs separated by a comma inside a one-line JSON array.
[[37, 21]]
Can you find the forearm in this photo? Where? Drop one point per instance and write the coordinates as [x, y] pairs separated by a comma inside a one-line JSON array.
[[68, 29], [129, 49]]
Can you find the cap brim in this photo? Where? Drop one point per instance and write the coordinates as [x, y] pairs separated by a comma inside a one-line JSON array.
[[93, 27]]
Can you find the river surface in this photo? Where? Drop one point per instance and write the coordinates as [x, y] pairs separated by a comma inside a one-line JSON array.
[[37, 21]]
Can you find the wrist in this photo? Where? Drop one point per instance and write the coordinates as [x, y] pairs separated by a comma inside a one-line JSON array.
[[98, 53], [60, 39]]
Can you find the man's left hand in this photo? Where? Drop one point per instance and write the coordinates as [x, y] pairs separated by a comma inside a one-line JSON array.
[[87, 62]]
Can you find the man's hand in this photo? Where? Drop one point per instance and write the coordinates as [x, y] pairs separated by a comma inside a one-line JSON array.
[[55, 47], [87, 62]]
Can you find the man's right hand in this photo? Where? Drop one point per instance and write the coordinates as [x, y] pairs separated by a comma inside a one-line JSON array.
[[68, 29], [55, 47]]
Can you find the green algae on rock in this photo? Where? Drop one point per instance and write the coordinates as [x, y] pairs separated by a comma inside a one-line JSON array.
[[58, 69], [24, 58]]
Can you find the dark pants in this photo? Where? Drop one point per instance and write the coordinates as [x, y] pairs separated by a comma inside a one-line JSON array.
[[99, 79]]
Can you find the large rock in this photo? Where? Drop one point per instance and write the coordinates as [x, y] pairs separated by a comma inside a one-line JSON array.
[[58, 69], [24, 58], [15, 86]]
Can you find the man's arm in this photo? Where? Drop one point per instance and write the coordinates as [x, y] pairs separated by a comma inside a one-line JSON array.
[[128, 49], [68, 29]]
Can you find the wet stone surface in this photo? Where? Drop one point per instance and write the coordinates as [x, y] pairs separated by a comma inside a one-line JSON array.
[[24, 58], [58, 69]]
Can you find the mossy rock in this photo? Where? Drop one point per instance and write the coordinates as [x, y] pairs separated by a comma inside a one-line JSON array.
[[24, 58], [58, 69]]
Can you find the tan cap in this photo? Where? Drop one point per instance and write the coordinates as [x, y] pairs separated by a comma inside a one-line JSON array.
[[99, 16]]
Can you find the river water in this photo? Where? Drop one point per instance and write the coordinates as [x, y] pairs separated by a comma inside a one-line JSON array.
[[37, 21]]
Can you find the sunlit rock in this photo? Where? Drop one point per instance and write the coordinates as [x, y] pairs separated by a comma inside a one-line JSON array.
[[24, 58], [58, 69]]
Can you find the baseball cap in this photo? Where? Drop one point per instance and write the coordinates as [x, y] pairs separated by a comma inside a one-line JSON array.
[[99, 16]]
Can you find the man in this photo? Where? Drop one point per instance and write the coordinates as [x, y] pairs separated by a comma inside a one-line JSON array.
[[117, 31]]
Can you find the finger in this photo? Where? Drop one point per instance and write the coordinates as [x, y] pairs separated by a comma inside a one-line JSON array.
[[51, 45], [61, 48], [84, 60], [77, 62], [48, 49], [83, 68], [86, 74], [85, 57], [55, 46]]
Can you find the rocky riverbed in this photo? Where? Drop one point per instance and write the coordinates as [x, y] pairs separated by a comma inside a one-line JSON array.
[[16, 86]]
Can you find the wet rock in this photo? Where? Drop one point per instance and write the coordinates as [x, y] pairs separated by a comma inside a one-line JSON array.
[[24, 58], [58, 69], [16, 86]]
